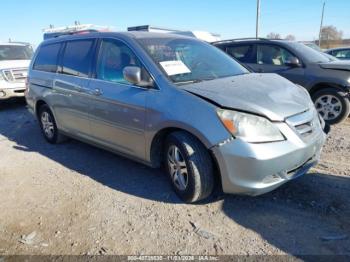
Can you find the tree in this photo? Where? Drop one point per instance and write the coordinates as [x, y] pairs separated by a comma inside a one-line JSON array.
[[290, 37], [331, 33], [331, 36], [273, 35]]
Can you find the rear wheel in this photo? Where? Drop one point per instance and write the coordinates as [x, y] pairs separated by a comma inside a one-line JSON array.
[[332, 104], [189, 167], [48, 126]]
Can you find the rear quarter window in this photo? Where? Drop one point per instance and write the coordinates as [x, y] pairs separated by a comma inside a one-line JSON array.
[[47, 58], [78, 57]]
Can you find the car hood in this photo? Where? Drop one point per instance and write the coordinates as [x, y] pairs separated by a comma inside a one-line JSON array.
[[9, 64], [338, 65], [265, 94]]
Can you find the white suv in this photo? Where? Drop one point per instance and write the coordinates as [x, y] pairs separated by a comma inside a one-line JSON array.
[[14, 62]]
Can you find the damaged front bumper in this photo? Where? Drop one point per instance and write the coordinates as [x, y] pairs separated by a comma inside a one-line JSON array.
[[255, 169]]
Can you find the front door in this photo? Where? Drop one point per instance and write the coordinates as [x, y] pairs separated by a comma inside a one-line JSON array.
[[118, 110], [274, 59]]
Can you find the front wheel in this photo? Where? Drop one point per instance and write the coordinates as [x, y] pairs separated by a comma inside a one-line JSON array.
[[189, 167], [332, 104]]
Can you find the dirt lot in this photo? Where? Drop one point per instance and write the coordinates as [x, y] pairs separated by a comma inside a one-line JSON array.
[[76, 199]]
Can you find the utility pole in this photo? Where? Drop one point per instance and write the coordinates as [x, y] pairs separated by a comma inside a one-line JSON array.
[[320, 35], [257, 18]]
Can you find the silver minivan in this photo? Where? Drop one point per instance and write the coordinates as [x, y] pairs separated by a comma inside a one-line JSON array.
[[172, 100]]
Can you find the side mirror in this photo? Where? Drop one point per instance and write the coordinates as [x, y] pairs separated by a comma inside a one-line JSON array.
[[293, 62], [132, 74]]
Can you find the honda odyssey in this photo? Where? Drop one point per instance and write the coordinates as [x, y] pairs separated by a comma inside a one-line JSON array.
[[172, 100]]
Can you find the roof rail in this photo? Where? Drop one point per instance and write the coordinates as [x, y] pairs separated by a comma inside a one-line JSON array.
[[74, 29], [242, 39]]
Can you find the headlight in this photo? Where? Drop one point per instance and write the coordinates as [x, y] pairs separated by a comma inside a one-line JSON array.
[[8, 75], [250, 128], [1, 76], [349, 81]]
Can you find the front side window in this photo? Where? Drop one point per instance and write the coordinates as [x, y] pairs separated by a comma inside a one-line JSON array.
[[15, 52], [273, 55], [113, 57], [186, 60], [307, 53], [47, 58], [77, 57], [243, 53]]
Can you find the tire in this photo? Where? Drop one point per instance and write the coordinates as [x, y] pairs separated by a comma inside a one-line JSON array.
[[325, 106], [55, 137], [198, 172]]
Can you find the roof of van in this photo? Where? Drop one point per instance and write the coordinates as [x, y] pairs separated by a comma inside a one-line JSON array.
[[131, 34]]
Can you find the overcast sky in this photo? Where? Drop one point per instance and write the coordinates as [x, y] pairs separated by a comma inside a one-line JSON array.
[[24, 20]]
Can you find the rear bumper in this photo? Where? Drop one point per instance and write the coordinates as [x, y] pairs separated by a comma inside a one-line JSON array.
[[10, 90], [255, 169]]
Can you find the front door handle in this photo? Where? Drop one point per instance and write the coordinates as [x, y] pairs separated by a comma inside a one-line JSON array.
[[97, 92]]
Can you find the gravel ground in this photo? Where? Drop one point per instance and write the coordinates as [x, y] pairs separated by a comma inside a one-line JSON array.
[[77, 199]]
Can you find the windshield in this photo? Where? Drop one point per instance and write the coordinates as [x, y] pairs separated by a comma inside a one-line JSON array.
[[186, 60], [15, 52], [310, 54]]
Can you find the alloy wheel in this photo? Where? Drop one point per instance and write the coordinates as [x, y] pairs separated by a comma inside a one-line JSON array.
[[328, 106], [47, 125], [177, 167]]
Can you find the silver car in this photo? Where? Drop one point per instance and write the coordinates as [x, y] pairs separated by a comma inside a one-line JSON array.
[[172, 100]]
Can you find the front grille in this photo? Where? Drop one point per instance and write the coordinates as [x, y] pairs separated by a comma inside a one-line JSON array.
[[15, 75], [305, 123]]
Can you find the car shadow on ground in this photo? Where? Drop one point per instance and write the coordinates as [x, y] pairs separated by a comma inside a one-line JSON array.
[[109, 169], [310, 215], [307, 209]]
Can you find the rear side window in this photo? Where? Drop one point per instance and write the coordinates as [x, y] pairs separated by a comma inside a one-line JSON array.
[[77, 58], [47, 58], [243, 53]]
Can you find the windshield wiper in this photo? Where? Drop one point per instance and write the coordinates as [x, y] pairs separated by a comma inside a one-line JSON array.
[[194, 81]]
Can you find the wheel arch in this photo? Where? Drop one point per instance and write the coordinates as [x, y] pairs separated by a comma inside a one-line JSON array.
[[39, 104], [157, 146], [324, 85], [157, 142]]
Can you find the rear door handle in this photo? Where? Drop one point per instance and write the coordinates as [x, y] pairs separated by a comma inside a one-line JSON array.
[[97, 92], [78, 88], [66, 86]]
